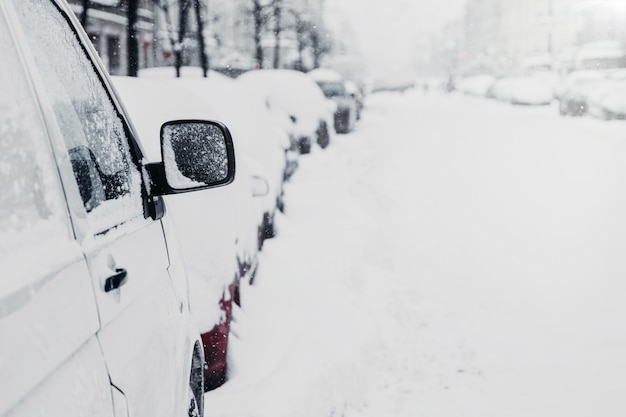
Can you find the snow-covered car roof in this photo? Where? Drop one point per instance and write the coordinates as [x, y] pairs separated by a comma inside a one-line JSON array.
[[292, 92], [476, 85]]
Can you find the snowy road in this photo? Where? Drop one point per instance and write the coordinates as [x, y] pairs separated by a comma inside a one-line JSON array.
[[453, 257]]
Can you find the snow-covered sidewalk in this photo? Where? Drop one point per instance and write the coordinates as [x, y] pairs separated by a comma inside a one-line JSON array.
[[452, 257]]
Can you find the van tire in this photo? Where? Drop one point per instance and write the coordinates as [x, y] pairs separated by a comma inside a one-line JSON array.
[[194, 408], [195, 394]]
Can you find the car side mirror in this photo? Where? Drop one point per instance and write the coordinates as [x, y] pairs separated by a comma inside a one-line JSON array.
[[196, 154]]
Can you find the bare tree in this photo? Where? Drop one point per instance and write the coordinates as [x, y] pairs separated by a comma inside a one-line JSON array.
[[264, 13], [276, 17], [308, 35], [132, 45], [277, 31], [320, 43], [260, 19], [183, 13], [84, 15], [178, 40], [204, 60]]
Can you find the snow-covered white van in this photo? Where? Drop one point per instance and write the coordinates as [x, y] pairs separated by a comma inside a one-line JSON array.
[[94, 310]]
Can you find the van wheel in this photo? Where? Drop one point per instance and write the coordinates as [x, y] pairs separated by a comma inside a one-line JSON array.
[[194, 408], [195, 388]]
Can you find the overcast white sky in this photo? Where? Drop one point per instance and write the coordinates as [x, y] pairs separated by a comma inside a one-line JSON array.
[[387, 32]]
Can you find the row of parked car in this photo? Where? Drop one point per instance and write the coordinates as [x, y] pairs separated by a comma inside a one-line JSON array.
[[275, 117], [599, 93], [114, 302]]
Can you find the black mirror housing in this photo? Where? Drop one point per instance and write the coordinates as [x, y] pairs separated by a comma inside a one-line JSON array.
[[196, 155]]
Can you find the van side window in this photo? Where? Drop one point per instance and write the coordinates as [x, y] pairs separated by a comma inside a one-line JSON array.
[[97, 144], [32, 208]]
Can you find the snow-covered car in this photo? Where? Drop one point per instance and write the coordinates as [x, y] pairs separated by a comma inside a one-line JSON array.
[[334, 88], [522, 90], [394, 83], [575, 91], [606, 100], [218, 231], [255, 128], [232, 63], [601, 55], [353, 89], [94, 308], [613, 102], [500, 89], [298, 96], [476, 85]]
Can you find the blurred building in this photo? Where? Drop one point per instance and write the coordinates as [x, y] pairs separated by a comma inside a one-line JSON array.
[[447, 52], [106, 26], [506, 37], [482, 45], [228, 32]]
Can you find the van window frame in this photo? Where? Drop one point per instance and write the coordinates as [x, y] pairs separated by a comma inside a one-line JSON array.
[[136, 153]]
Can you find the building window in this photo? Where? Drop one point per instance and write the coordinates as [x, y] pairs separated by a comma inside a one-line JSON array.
[[113, 53]]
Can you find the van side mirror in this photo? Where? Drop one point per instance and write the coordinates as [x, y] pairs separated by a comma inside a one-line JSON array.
[[196, 155]]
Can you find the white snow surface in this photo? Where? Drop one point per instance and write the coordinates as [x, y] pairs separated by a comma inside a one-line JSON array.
[[453, 257]]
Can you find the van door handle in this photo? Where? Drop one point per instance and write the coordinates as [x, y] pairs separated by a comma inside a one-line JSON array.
[[117, 280]]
